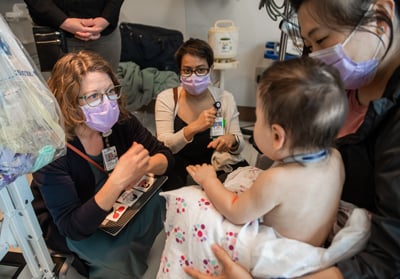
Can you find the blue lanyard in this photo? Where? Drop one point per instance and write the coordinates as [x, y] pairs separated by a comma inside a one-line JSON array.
[[306, 158]]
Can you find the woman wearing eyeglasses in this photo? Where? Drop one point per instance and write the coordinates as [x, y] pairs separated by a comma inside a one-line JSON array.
[[197, 121], [109, 150]]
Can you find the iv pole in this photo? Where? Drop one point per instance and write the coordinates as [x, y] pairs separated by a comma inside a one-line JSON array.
[[21, 228], [284, 36], [273, 10]]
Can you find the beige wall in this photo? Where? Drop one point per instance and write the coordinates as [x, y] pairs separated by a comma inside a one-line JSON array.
[[165, 13]]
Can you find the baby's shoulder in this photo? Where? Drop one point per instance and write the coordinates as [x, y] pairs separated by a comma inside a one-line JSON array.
[[333, 152], [336, 160]]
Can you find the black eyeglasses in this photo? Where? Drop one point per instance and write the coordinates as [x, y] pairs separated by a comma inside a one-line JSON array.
[[95, 99], [200, 72]]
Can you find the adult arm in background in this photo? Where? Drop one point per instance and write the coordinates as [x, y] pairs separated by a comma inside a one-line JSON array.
[[46, 12], [111, 12], [165, 112], [93, 27]]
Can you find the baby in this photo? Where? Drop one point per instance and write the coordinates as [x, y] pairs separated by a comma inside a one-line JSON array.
[[300, 108]]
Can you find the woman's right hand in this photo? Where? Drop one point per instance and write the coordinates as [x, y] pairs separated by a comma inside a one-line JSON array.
[[206, 119], [131, 166]]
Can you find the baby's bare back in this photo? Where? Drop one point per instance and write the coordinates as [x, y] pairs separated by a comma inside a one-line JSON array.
[[308, 197]]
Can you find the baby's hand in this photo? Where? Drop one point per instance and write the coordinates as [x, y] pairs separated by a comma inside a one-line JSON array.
[[201, 173]]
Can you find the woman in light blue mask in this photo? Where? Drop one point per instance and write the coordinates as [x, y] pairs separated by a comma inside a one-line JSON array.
[[197, 121], [362, 39]]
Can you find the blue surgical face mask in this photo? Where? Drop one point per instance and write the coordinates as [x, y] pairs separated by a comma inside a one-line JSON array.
[[195, 85], [102, 117], [354, 74]]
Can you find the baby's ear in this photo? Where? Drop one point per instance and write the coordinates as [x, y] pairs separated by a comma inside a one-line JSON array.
[[279, 135]]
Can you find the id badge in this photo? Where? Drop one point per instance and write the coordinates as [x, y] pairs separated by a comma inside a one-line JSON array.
[[110, 158], [218, 129]]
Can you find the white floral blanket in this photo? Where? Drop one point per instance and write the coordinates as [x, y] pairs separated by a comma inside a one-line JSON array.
[[192, 225]]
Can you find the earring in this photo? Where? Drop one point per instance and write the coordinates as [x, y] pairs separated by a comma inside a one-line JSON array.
[[381, 30]]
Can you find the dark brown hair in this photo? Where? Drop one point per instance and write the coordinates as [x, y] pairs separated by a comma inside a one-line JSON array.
[[195, 47], [307, 98], [65, 83]]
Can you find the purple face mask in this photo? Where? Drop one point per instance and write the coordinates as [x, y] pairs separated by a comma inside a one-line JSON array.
[[354, 74], [195, 85], [102, 117]]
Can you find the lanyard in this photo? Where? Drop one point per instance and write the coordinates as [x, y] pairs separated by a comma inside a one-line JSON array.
[[87, 158], [110, 156], [306, 158]]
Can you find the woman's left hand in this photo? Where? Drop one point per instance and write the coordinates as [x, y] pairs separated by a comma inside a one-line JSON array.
[[223, 143]]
